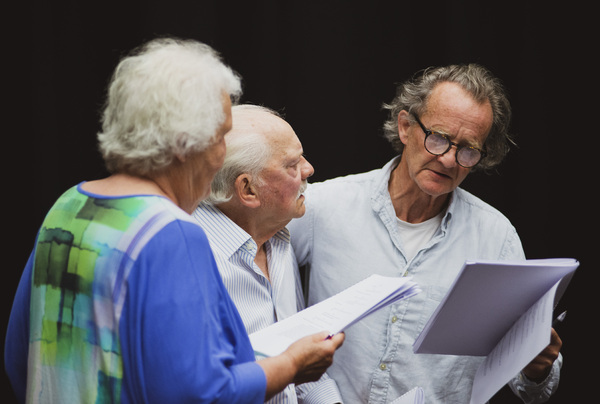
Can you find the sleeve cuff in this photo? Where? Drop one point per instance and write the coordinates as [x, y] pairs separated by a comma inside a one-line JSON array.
[[251, 381], [531, 392], [323, 391]]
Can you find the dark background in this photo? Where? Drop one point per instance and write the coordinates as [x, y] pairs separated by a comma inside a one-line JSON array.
[[328, 66]]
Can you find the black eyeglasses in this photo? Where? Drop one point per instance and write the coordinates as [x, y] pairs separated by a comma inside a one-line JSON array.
[[437, 144]]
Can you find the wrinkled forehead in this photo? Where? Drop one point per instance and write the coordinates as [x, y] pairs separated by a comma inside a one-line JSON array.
[[448, 96], [451, 101]]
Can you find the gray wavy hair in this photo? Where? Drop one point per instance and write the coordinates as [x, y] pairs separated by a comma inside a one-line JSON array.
[[247, 153], [164, 99], [412, 96]]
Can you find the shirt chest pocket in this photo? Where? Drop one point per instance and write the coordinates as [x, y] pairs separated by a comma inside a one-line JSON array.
[[432, 297]]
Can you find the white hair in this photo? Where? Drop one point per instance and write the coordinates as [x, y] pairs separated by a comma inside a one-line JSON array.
[[247, 153], [164, 99]]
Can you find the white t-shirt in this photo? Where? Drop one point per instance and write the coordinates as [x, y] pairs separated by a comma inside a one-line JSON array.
[[415, 235]]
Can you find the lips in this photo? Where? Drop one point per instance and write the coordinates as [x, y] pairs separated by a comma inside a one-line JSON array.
[[441, 174], [438, 173]]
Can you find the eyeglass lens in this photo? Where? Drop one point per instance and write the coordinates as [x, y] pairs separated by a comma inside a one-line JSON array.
[[438, 144]]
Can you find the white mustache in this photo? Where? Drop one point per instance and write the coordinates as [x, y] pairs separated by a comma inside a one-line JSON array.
[[302, 188]]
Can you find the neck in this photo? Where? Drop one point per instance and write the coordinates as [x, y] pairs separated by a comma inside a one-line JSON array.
[[170, 184], [253, 224], [410, 203], [176, 183], [249, 220], [121, 184], [261, 261]]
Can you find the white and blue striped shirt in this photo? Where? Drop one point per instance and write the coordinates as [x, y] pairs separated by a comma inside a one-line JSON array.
[[259, 301]]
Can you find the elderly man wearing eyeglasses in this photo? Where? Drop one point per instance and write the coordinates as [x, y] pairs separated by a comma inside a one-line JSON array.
[[410, 218]]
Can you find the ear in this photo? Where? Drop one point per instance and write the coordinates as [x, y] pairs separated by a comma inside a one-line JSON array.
[[403, 126], [246, 191]]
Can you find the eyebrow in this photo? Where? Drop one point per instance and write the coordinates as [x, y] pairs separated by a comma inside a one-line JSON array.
[[452, 137], [296, 159]]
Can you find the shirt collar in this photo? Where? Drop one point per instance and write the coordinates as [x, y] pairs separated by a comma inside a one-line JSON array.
[[282, 235], [226, 236], [381, 196]]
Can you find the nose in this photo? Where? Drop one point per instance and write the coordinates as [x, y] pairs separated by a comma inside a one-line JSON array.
[[307, 169], [448, 159]]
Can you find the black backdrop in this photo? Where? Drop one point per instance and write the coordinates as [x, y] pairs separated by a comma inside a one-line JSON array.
[[328, 66]]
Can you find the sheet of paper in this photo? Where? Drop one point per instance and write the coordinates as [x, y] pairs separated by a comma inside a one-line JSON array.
[[523, 342], [414, 396], [485, 301], [334, 314]]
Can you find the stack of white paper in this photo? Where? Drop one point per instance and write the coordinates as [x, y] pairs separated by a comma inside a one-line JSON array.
[[334, 314], [498, 309]]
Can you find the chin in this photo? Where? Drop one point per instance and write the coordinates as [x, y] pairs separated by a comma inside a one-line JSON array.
[[436, 189], [300, 212], [439, 193]]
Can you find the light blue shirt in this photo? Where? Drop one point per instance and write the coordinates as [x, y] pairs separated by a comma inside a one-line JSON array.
[[349, 232], [261, 301]]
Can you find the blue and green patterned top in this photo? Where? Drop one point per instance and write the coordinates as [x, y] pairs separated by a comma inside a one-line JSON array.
[[121, 302]]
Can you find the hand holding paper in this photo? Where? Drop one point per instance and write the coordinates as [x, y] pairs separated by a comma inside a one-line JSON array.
[[501, 310], [304, 361], [313, 355], [525, 339], [539, 368], [334, 314]]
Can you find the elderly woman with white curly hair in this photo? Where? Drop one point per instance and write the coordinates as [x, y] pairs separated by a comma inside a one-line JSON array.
[[121, 299]]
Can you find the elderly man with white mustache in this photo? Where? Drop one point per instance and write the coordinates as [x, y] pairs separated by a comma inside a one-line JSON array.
[[255, 194]]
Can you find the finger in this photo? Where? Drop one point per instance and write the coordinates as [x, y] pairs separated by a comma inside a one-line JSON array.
[[555, 338], [320, 336], [338, 339]]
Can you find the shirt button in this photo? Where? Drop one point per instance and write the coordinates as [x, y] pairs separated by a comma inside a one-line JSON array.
[[382, 366], [394, 319]]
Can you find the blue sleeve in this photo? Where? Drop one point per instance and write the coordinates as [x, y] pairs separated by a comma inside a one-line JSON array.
[[182, 339], [16, 345]]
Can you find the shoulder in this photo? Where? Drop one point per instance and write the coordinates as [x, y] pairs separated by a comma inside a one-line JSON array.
[[475, 220], [161, 212], [465, 199], [166, 230], [339, 189], [468, 205], [359, 179], [177, 259], [180, 233]]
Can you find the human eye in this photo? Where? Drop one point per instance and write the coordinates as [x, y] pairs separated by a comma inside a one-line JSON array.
[[296, 162]]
